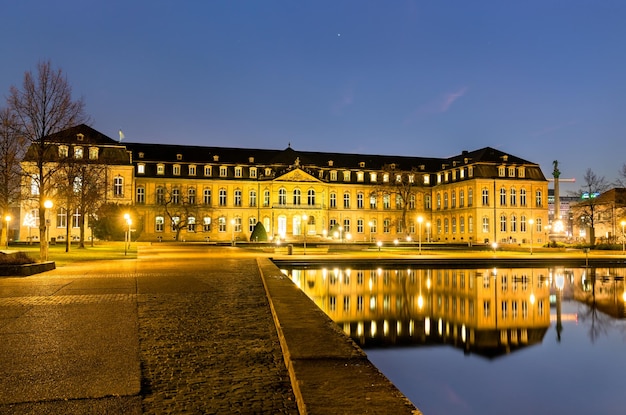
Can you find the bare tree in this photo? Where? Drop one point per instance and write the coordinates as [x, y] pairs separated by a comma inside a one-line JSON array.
[[43, 106], [402, 188], [12, 147], [179, 208], [588, 210]]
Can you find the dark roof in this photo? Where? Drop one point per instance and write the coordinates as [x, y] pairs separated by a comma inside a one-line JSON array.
[[90, 136]]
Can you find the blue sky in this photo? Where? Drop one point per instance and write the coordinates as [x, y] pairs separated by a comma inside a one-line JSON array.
[[540, 79]]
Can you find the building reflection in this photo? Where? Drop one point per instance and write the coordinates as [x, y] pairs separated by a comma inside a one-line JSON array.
[[490, 312]]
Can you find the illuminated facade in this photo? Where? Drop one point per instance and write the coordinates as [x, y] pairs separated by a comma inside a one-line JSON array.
[[220, 193]]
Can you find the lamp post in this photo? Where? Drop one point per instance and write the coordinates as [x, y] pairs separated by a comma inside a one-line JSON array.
[[623, 223], [531, 223], [232, 232], [8, 219], [370, 223], [428, 232], [127, 233], [47, 205], [419, 231], [305, 218]]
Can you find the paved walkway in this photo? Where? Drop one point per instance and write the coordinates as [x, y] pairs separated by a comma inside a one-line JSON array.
[[173, 332], [183, 329]]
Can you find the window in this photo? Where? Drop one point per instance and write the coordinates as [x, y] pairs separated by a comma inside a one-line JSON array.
[[346, 200], [206, 224], [141, 168], [176, 170], [503, 223], [118, 186], [521, 172], [159, 222], [253, 172], [191, 224], [462, 224], [333, 176], [485, 197], [445, 200], [522, 197], [191, 195], [141, 195], [346, 225], [160, 169], [222, 197], [501, 171], [61, 218], [412, 201], [237, 224], [486, 306], [428, 202], [386, 201], [251, 224], [373, 201], [223, 171], [175, 196], [237, 199], [160, 195], [333, 200], [438, 201], [461, 198], [311, 197], [426, 179], [453, 199], [63, 151], [503, 197], [296, 197], [207, 171], [470, 224], [485, 224], [453, 225], [513, 223], [522, 223], [538, 201], [538, 225], [372, 225], [206, 197], [266, 198], [238, 170], [446, 225], [373, 177], [252, 196], [282, 196], [221, 224], [174, 223], [360, 176], [386, 178], [78, 152], [359, 200], [386, 225], [359, 225], [438, 226], [346, 176], [511, 171], [192, 170], [513, 197], [76, 219], [470, 197]]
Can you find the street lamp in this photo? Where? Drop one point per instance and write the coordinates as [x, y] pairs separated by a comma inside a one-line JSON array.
[[531, 223], [48, 205], [8, 219], [623, 223], [305, 218], [129, 222], [419, 223]]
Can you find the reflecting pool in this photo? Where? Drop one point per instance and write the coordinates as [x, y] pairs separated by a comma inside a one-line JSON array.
[[486, 341]]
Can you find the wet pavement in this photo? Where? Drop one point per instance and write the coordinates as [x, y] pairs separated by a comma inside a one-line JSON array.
[[180, 330]]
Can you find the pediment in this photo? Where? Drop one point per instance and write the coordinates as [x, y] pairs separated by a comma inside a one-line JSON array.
[[296, 175]]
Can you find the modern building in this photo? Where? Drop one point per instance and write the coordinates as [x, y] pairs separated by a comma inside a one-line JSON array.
[[200, 193]]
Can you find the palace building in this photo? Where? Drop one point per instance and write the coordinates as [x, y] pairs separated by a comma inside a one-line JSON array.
[[198, 193]]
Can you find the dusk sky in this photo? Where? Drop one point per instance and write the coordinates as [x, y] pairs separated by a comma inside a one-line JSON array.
[[540, 79]]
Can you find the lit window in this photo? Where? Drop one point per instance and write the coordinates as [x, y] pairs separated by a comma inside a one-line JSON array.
[[223, 171], [78, 152], [192, 170], [63, 151], [176, 170], [252, 172], [141, 168], [93, 153], [160, 169], [118, 186], [207, 170]]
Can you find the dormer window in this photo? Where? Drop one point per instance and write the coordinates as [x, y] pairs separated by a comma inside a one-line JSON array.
[[330, 163], [360, 176], [223, 171], [176, 170], [216, 158], [93, 153], [361, 164], [253, 172], [511, 171], [141, 168], [192, 169], [80, 137], [427, 179], [268, 172], [160, 169], [238, 171], [521, 172], [346, 176], [140, 155], [250, 159], [373, 177], [78, 152], [333, 175], [501, 171], [386, 178], [179, 156], [208, 171], [63, 151]]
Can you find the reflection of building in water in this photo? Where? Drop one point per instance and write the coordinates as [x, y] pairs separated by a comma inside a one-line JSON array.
[[487, 311], [602, 289]]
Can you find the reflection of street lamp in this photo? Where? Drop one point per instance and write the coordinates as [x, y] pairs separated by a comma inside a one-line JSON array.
[[531, 223], [305, 218], [8, 219], [623, 223], [419, 222], [48, 205]]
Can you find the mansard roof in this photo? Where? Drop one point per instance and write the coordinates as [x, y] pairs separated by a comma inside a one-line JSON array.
[[89, 136]]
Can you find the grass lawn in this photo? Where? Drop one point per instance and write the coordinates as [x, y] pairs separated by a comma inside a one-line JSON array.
[[100, 251]]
